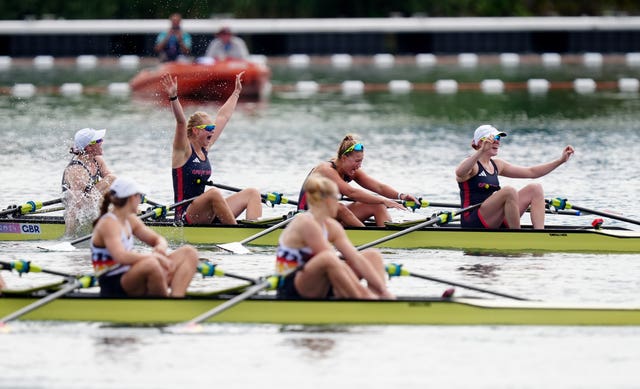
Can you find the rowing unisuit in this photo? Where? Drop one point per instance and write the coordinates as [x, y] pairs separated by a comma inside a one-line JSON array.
[[106, 268], [190, 179], [476, 190]]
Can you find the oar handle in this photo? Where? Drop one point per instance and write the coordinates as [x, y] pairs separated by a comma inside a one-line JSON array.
[[22, 266], [395, 270], [437, 219], [29, 206], [564, 204], [271, 197]]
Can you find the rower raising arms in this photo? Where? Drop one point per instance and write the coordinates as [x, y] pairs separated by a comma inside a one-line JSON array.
[[346, 167], [85, 179], [477, 177], [192, 168], [308, 242], [124, 272]]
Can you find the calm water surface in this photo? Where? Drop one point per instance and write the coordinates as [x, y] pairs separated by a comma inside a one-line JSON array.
[[414, 143]]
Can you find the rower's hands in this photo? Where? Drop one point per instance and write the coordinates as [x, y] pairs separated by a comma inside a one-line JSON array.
[[393, 204], [168, 265], [170, 84], [567, 153], [485, 145], [239, 83]]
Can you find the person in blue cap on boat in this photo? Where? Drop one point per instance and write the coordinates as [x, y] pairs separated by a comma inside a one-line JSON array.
[[372, 199], [123, 272], [477, 177], [306, 250], [191, 167]]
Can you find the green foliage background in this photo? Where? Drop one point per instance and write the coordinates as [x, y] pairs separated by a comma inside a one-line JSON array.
[[149, 9]]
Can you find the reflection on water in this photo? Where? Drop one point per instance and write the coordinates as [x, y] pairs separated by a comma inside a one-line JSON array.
[[313, 348]]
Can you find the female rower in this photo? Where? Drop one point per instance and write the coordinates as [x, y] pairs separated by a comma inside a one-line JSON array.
[[85, 179], [306, 248], [477, 178], [191, 167], [124, 272], [343, 169]]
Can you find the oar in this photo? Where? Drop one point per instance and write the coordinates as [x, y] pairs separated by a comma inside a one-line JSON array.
[[564, 204], [413, 205], [273, 198], [29, 206], [25, 267], [192, 325], [442, 218], [238, 247], [208, 269], [395, 270], [156, 212]]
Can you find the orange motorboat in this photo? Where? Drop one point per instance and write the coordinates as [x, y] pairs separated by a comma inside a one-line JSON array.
[[204, 81]]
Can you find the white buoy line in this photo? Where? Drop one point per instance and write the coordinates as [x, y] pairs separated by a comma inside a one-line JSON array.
[[581, 86]]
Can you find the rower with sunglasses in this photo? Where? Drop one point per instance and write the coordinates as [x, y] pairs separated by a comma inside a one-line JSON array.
[[191, 167], [85, 179], [346, 167], [477, 177]]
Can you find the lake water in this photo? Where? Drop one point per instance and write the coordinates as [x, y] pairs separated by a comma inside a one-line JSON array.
[[413, 142]]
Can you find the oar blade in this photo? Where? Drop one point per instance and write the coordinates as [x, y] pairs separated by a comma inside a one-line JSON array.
[[234, 247], [63, 246]]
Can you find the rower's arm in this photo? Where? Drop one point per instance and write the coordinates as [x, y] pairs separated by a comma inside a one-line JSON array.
[[226, 111], [148, 236], [181, 145]]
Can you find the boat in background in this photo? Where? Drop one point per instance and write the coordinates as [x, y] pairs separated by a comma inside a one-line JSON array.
[[204, 81], [451, 236], [88, 306]]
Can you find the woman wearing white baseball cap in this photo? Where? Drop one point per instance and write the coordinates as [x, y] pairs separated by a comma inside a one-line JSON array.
[[477, 177], [85, 179], [123, 272]]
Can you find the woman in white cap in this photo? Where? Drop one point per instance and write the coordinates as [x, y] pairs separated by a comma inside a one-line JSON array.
[[123, 272], [477, 177], [85, 179], [191, 167]]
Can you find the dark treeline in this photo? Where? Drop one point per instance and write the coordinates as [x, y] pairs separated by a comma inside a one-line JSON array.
[[198, 9]]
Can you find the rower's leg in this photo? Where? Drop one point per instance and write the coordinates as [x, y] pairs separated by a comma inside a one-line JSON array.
[[145, 278], [532, 196], [327, 270], [364, 211], [209, 205], [186, 260], [248, 199], [347, 218], [501, 206]]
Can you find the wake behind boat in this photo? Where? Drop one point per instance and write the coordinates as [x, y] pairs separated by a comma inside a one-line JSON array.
[[450, 236], [204, 81]]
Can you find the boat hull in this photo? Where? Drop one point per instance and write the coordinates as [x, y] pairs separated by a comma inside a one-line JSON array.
[[407, 311], [203, 81], [552, 239]]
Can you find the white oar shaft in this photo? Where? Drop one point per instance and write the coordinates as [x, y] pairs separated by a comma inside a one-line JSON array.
[[266, 231], [43, 301], [229, 303], [426, 223]]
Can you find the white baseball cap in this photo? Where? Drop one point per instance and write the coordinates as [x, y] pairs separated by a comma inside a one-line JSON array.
[[123, 187], [87, 135], [486, 131]]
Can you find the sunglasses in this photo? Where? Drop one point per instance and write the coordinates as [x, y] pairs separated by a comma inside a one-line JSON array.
[[206, 127], [354, 147], [95, 142], [493, 138]]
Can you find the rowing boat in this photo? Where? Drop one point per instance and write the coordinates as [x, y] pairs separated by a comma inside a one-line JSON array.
[[202, 81], [88, 307], [551, 239]]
